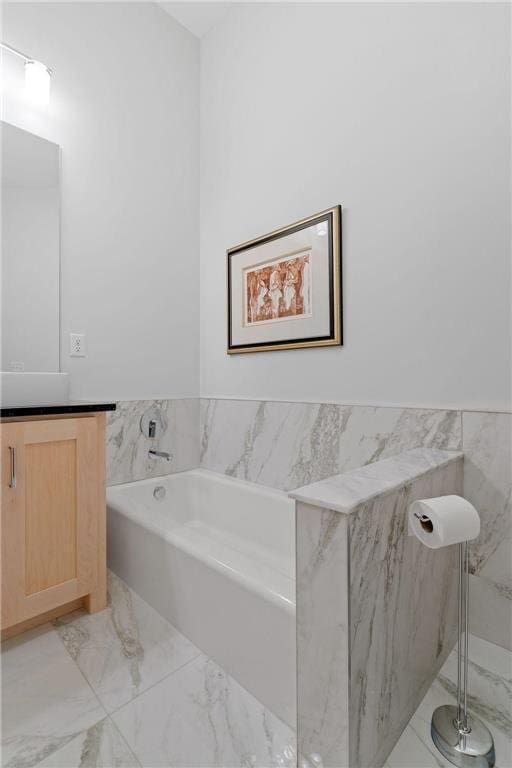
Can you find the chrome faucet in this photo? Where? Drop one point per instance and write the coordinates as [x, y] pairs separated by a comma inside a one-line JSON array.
[[154, 454]]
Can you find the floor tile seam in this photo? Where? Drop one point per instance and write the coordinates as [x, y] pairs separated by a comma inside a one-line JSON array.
[[116, 710]]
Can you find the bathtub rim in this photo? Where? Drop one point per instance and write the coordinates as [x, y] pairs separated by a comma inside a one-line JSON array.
[[265, 490]]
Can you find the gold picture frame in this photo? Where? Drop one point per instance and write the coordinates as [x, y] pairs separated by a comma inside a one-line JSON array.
[[284, 289]]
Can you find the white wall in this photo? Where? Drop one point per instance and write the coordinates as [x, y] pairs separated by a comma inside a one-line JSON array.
[[402, 114], [124, 109]]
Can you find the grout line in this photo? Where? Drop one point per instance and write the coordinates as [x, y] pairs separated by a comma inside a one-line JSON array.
[[107, 712], [462, 447], [307, 401], [82, 674], [356, 404], [83, 730], [157, 682], [131, 751]]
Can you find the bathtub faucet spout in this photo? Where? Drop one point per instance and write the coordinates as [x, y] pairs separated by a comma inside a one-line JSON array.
[[159, 454]]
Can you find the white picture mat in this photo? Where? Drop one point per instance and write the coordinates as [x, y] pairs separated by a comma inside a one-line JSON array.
[[284, 329]]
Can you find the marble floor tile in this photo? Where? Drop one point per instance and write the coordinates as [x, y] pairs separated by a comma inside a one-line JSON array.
[[124, 649], [101, 746], [199, 716], [490, 698], [45, 700]]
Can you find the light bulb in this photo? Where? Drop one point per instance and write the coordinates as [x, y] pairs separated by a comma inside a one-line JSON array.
[[37, 83]]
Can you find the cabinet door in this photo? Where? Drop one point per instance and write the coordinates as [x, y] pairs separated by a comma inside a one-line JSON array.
[[49, 515]]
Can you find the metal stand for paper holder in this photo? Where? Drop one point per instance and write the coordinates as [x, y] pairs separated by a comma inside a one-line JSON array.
[[463, 739]]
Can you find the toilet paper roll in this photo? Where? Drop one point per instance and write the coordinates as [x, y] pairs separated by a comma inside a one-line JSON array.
[[443, 521]]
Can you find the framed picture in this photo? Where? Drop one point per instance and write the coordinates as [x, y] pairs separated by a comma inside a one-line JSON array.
[[284, 288]]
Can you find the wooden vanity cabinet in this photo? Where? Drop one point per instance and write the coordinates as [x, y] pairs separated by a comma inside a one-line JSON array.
[[53, 518]]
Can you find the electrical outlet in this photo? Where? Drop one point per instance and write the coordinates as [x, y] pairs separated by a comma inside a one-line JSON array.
[[77, 345]]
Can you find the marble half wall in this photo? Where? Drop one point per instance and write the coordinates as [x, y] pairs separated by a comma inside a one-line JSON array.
[[323, 635], [376, 609], [127, 448]]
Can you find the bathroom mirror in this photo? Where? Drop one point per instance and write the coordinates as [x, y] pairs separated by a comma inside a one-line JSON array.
[[30, 251]]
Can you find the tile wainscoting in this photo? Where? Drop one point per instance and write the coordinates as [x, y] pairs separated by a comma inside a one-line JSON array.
[[286, 445], [127, 448], [487, 445]]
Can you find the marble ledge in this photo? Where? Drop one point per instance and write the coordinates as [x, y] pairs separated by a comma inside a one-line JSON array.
[[345, 493]]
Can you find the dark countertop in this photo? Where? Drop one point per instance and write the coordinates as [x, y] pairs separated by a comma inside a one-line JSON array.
[[52, 410]]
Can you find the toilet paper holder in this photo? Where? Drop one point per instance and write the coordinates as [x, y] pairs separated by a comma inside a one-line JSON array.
[[425, 522], [462, 738]]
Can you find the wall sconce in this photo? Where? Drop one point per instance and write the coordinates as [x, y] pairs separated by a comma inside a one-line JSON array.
[[37, 77]]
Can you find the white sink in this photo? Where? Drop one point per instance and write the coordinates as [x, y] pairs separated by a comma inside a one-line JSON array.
[[18, 389]]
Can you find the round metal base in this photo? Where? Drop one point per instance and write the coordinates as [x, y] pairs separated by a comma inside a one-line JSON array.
[[475, 748]]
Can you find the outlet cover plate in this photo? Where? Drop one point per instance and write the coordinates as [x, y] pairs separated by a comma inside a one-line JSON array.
[[77, 345]]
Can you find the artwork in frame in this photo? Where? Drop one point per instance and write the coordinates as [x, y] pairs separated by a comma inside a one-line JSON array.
[[284, 288]]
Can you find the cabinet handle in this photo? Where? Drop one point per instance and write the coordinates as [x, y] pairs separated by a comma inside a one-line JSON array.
[[12, 483]]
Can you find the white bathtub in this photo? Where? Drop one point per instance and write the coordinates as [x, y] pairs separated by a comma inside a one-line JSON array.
[[216, 557]]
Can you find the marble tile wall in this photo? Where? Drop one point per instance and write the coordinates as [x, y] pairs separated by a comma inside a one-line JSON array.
[[488, 485], [287, 445], [323, 677], [376, 612], [127, 448]]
